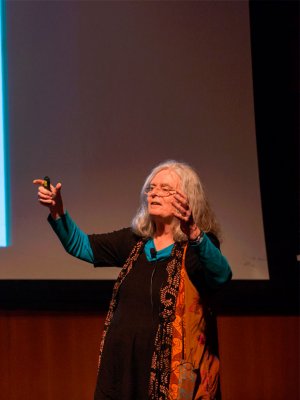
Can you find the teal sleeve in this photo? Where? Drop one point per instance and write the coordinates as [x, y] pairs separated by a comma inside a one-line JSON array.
[[216, 268], [72, 238]]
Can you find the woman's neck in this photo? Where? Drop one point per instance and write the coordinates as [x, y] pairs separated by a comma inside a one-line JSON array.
[[163, 235]]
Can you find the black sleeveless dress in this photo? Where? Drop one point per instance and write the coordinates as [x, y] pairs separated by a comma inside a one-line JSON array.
[[126, 359]]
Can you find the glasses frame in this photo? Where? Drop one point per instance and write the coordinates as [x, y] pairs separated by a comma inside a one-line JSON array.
[[160, 192]]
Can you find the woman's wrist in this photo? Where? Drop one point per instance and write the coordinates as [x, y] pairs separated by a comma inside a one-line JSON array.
[[194, 233], [198, 239], [55, 213]]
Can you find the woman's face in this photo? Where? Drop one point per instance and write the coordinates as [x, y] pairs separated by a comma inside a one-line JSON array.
[[161, 194]]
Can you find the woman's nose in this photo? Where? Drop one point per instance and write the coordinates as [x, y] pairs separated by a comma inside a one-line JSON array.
[[155, 192]]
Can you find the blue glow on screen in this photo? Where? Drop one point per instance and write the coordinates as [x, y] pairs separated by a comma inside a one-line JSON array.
[[4, 209]]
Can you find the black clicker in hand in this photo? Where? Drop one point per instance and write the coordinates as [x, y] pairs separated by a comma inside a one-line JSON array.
[[46, 183]]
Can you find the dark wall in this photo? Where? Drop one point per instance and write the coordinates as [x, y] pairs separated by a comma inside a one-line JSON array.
[[275, 59]]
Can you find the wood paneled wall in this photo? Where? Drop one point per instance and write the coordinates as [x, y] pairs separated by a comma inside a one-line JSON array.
[[259, 357], [53, 356]]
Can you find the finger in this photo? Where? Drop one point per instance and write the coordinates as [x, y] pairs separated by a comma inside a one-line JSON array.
[[46, 202], [44, 196], [38, 181], [183, 208], [181, 195], [182, 214], [177, 214], [182, 200], [58, 187], [43, 190]]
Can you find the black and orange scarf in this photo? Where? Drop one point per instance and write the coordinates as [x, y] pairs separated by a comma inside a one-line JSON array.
[[182, 367]]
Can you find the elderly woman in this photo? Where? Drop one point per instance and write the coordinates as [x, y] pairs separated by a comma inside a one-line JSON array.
[[155, 343]]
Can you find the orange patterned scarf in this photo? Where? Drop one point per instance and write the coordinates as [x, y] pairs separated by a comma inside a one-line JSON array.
[[194, 371]]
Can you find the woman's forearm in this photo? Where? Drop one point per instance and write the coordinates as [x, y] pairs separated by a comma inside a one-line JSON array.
[[72, 238], [216, 268]]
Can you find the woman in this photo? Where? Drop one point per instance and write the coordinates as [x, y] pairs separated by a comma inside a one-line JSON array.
[[155, 343]]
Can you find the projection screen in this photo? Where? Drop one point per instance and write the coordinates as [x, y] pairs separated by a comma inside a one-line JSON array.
[[99, 93]]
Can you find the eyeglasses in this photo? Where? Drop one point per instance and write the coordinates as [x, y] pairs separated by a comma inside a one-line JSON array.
[[160, 191]]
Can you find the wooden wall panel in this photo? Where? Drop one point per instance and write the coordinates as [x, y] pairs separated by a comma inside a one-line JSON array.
[[49, 356], [260, 357], [53, 356]]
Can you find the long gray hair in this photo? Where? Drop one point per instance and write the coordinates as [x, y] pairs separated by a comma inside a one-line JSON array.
[[143, 225]]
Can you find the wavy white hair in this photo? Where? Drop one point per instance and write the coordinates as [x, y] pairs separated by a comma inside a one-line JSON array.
[[143, 225]]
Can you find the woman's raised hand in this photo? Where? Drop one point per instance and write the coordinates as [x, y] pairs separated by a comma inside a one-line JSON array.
[[183, 212], [50, 198]]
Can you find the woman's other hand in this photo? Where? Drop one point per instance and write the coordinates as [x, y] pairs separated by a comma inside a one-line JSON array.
[[183, 212], [50, 198]]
